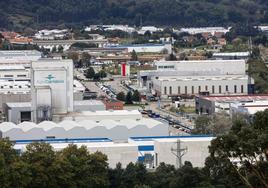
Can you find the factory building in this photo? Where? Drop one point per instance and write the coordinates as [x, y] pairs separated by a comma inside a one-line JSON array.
[[14, 91], [51, 88], [20, 55], [230, 103], [145, 48], [116, 152], [112, 104], [211, 30], [154, 150], [231, 55], [248, 108], [18, 112], [89, 105], [20, 91], [150, 151], [44, 78], [14, 72], [217, 77], [115, 115], [89, 128], [185, 85]]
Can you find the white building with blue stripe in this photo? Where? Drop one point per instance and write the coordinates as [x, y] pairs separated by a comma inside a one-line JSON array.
[[150, 151]]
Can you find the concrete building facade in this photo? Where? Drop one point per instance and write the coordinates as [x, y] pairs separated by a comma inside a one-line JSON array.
[[143, 48], [215, 85], [150, 151], [51, 88], [20, 55], [213, 104], [217, 77]]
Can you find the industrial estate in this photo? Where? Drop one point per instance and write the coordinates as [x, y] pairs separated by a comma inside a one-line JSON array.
[[164, 98]]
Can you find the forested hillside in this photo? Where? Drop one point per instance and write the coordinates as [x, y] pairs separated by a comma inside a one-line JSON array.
[[29, 13]]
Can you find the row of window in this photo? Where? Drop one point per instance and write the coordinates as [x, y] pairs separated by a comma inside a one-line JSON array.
[[206, 89], [166, 67], [11, 87], [11, 76]]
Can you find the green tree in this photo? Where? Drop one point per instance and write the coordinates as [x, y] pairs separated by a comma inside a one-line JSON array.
[[74, 56], [147, 34], [60, 49], [163, 175], [88, 170], [164, 51], [187, 176], [202, 125], [90, 73], [102, 74], [242, 153], [217, 124], [41, 158], [13, 171], [136, 96], [134, 175], [115, 176], [54, 49], [134, 56], [128, 99], [172, 57], [85, 59], [121, 96]]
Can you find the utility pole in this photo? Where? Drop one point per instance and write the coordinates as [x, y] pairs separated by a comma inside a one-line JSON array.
[[250, 43], [141, 21], [179, 152]]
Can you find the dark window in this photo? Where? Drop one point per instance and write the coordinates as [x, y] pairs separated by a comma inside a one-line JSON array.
[[213, 89], [179, 90], [219, 89], [21, 75], [242, 89], [25, 116], [235, 89]]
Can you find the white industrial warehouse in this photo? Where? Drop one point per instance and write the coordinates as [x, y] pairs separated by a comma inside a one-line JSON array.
[[114, 129], [145, 48], [231, 104], [216, 77], [19, 55], [150, 151]]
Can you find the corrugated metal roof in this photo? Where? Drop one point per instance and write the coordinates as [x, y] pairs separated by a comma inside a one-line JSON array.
[[69, 129]]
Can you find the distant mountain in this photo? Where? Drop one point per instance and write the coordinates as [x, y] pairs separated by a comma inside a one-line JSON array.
[[31, 13]]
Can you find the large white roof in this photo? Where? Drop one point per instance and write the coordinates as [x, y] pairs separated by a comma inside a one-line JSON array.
[[20, 55], [107, 128], [238, 54], [112, 113], [88, 102], [19, 104], [186, 139], [12, 67], [202, 78]]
